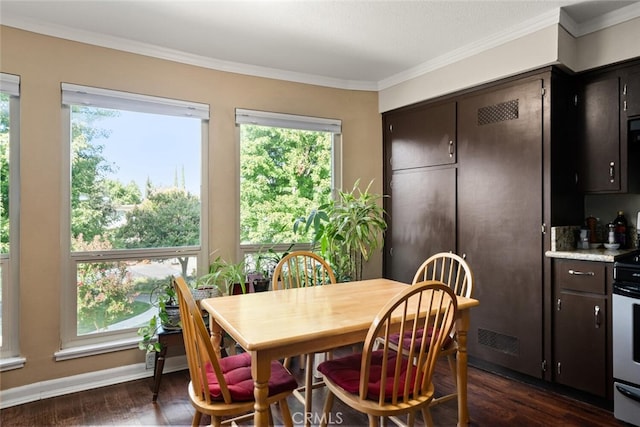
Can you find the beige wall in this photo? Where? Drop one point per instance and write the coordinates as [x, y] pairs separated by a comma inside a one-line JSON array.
[[610, 45], [43, 63]]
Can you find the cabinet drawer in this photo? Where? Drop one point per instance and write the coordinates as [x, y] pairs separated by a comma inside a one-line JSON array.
[[583, 276]]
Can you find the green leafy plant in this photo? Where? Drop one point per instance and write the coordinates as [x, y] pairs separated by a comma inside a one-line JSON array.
[[347, 231], [163, 295], [223, 275], [267, 260]]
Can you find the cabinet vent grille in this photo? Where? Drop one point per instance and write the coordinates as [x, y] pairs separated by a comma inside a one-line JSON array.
[[500, 342], [498, 112]]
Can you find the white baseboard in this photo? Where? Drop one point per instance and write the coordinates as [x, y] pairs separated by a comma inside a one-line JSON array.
[[61, 386]]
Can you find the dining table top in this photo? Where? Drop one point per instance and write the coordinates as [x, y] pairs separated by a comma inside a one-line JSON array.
[[281, 318]]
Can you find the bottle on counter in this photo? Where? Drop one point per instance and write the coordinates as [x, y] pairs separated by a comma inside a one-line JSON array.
[[620, 224], [611, 236], [591, 223]]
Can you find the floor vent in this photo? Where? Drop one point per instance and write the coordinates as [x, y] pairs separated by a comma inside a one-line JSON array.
[[498, 112], [500, 342]]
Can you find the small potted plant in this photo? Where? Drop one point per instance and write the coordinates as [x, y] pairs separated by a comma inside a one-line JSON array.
[[227, 277], [265, 263], [163, 295]]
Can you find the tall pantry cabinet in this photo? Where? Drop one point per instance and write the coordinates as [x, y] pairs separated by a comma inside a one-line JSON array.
[[421, 175], [491, 202]]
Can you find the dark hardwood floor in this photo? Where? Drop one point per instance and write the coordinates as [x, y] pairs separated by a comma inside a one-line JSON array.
[[494, 400]]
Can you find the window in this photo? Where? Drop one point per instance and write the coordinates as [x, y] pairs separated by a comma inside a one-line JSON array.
[[136, 213], [9, 206], [288, 165]]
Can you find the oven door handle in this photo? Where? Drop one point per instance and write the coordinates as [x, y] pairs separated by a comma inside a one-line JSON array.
[[628, 393]]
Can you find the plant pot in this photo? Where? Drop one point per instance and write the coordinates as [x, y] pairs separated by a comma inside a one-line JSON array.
[[173, 322], [236, 289], [200, 293], [261, 285]]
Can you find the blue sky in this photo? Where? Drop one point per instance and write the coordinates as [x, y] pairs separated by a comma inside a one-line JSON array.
[[148, 145]]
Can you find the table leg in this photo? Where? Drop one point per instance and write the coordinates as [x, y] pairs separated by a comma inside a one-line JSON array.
[[261, 372], [462, 327], [216, 336], [157, 373]]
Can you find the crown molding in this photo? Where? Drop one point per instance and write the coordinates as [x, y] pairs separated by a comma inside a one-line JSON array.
[[479, 46], [554, 17], [598, 23], [154, 51]]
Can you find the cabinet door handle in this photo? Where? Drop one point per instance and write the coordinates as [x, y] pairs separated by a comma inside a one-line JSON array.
[[612, 171], [596, 313], [451, 148], [559, 304], [581, 273], [559, 368]]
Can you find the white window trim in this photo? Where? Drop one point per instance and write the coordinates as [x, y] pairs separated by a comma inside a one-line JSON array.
[[10, 359], [73, 346], [289, 121], [105, 98]]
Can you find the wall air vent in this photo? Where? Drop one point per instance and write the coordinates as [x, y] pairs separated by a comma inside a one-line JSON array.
[[498, 112], [500, 342]]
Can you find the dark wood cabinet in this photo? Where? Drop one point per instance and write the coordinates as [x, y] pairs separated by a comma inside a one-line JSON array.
[[420, 177], [608, 101], [600, 147], [424, 136], [500, 193], [582, 326], [510, 182], [422, 208], [631, 92]]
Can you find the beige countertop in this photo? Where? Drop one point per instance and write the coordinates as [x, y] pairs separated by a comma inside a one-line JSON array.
[[601, 255]]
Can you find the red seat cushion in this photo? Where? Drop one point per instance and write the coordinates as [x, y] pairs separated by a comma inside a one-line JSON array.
[[406, 340], [345, 372], [237, 374]]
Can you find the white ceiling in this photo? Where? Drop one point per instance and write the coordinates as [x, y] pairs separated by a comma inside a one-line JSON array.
[[348, 44]]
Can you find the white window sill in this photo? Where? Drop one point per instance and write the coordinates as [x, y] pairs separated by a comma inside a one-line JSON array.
[[95, 349], [10, 363]]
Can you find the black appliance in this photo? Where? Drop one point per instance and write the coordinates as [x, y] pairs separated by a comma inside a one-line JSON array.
[[626, 338]]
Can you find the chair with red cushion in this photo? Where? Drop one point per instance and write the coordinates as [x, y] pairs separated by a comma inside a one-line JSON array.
[[223, 387], [301, 269], [385, 383], [452, 270]]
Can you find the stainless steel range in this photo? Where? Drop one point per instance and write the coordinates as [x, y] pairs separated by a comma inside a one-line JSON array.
[[626, 338]]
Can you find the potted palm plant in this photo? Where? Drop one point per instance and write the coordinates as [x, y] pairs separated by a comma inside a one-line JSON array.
[[347, 231]]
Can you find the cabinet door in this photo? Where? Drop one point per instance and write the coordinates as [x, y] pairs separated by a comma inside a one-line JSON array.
[[631, 90], [600, 162], [422, 209], [424, 136], [499, 222], [580, 342]]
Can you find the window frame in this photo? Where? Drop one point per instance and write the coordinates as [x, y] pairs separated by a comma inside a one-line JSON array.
[[10, 350], [291, 121], [72, 344]]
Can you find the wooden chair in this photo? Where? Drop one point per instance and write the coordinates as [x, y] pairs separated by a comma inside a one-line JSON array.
[[223, 387], [301, 269], [385, 383], [452, 270]]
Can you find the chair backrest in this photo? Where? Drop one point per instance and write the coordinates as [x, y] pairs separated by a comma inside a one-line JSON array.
[[450, 269], [198, 345], [426, 306], [301, 269]]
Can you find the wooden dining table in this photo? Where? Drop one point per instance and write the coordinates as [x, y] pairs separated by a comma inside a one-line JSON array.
[[276, 324]]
